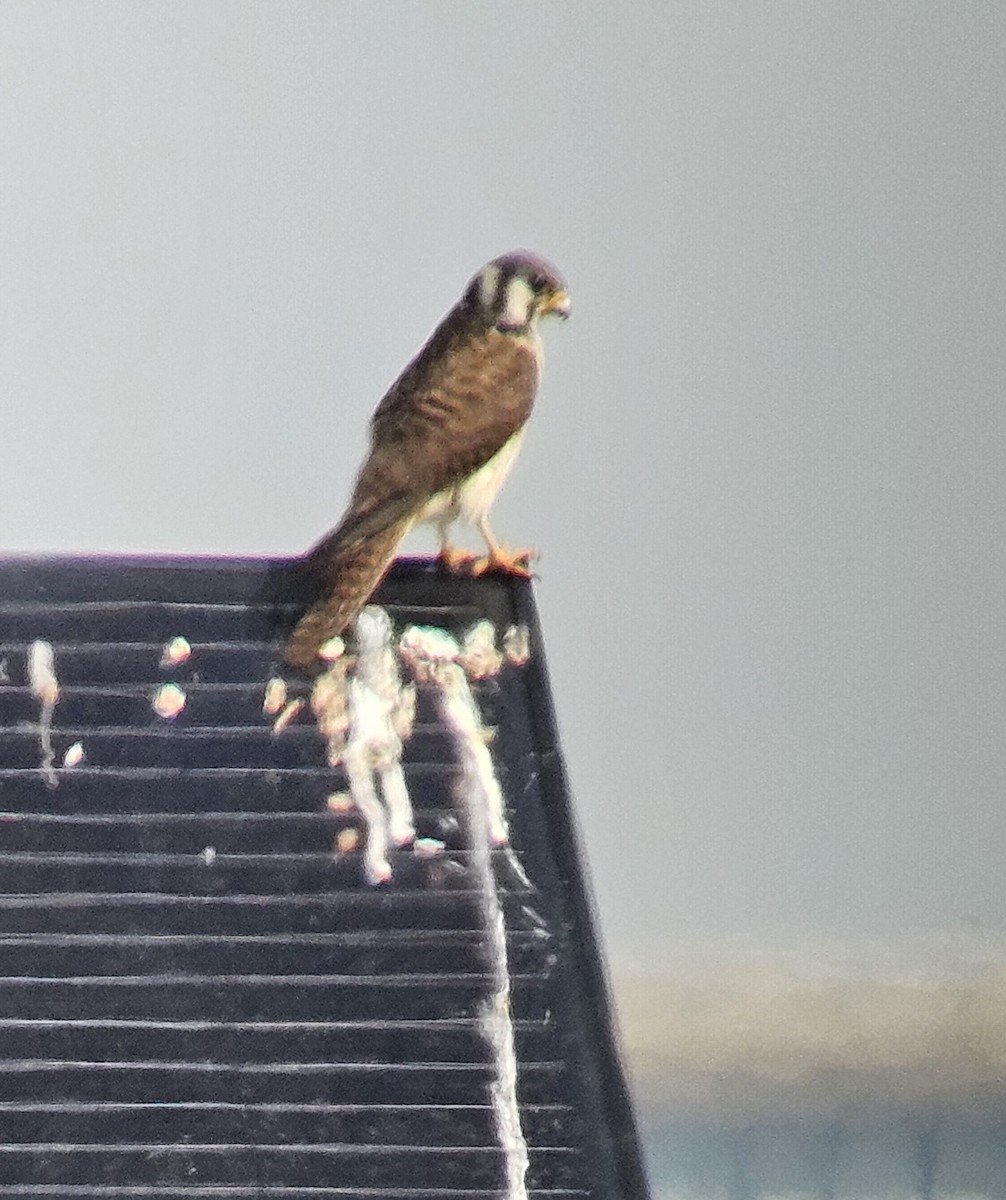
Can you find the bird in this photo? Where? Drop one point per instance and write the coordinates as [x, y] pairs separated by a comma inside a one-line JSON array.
[[442, 441]]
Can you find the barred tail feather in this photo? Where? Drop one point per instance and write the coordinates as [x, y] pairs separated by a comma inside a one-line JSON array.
[[351, 574]]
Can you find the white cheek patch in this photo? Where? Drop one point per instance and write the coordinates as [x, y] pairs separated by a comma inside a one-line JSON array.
[[489, 282], [519, 298]]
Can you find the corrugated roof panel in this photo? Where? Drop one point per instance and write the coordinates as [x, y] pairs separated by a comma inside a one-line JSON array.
[[201, 993]]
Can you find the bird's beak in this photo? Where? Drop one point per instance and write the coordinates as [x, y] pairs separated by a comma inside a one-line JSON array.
[[557, 303]]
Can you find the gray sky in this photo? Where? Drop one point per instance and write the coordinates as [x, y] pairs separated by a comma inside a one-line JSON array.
[[765, 471]]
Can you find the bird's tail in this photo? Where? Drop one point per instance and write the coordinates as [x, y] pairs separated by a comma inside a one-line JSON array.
[[349, 573]]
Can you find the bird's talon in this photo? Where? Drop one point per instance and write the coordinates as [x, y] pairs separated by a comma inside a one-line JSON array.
[[454, 560], [510, 562]]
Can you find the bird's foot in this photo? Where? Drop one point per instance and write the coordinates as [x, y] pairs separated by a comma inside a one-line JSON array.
[[454, 560], [511, 562]]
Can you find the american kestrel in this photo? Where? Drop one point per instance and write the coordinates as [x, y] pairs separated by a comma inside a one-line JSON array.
[[441, 443]]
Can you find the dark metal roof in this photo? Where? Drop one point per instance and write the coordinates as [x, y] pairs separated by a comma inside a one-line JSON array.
[[199, 997]]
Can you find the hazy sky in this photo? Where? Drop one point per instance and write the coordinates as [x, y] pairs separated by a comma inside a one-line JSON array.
[[765, 470]]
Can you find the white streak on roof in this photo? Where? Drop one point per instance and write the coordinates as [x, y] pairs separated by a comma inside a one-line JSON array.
[[517, 644], [403, 715], [366, 714], [470, 738], [42, 672], [479, 656], [330, 705], [168, 701], [174, 652], [289, 713], [45, 687], [423, 647], [379, 710], [347, 840], [74, 756], [332, 649], [496, 1024], [437, 660], [274, 697]]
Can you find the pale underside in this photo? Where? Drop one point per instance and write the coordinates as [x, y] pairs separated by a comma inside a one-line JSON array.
[[471, 501]]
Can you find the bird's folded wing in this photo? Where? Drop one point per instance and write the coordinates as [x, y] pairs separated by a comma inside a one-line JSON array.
[[455, 406]]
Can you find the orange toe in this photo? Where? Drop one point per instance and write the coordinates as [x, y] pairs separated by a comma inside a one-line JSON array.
[[454, 560], [510, 562]]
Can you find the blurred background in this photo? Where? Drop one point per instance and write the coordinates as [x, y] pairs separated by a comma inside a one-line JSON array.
[[764, 473]]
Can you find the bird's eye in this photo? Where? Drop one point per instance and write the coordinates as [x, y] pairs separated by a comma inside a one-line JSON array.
[[539, 283]]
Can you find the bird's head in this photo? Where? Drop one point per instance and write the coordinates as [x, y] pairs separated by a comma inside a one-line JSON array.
[[514, 290]]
